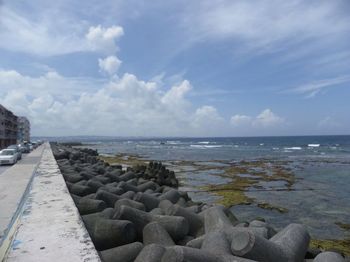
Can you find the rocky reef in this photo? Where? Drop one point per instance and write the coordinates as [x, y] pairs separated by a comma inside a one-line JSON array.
[[138, 214]]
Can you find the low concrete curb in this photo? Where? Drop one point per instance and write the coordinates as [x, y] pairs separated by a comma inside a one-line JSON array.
[[50, 228]]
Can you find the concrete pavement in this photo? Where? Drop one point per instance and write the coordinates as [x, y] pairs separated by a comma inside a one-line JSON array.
[[14, 185], [3, 169]]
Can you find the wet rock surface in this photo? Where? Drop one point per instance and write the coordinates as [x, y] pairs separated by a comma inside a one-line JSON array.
[[138, 214]]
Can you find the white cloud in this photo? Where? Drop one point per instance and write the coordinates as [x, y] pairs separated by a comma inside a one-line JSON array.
[[175, 96], [110, 64], [207, 120], [43, 35], [123, 106], [239, 120], [268, 25], [312, 89], [104, 39], [265, 119]]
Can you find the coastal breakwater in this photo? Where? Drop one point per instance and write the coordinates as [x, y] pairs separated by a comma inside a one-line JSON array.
[[139, 215]]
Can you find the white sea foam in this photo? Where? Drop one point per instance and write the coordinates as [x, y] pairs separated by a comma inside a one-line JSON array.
[[205, 146], [173, 142], [204, 142], [293, 148], [313, 145]]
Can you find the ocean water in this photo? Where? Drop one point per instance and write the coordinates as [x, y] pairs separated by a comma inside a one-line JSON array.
[[320, 196]]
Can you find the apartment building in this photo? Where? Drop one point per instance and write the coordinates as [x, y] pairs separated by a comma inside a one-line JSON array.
[[8, 127], [23, 129]]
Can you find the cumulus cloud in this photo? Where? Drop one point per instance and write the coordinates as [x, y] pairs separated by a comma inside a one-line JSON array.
[[104, 38], [207, 120], [125, 106], [239, 120], [109, 65], [265, 119]]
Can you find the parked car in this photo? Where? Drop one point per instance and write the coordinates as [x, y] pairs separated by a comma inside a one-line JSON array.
[[24, 148], [8, 156], [18, 150]]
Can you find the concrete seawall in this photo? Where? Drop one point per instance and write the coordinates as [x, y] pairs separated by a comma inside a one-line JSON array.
[[45, 225]]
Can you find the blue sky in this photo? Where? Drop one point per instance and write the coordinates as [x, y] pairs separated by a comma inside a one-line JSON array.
[[177, 68]]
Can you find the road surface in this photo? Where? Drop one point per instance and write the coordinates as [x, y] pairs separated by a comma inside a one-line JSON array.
[[5, 167]]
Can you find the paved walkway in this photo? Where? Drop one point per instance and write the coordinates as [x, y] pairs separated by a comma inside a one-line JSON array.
[[14, 183], [3, 169], [50, 228]]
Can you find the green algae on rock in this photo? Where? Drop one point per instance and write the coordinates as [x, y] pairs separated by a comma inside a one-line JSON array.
[[230, 196], [343, 225], [246, 175], [123, 159], [265, 205], [337, 245]]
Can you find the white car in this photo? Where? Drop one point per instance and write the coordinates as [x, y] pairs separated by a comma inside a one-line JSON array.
[[8, 156]]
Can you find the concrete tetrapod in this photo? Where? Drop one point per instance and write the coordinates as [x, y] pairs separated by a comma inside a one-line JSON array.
[[130, 203], [196, 243], [182, 202], [151, 253], [246, 244], [80, 190], [94, 184], [186, 254], [154, 233], [128, 194], [294, 240], [127, 187], [148, 185], [164, 205], [148, 200], [185, 240], [172, 195], [215, 219], [107, 197], [112, 189], [291, 246], [91, 219], [216, 243], [109, 233], [88, 206], [177, 227], [127, 176], [157, 211], [195, 221], [329, 257], [125, 253]]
